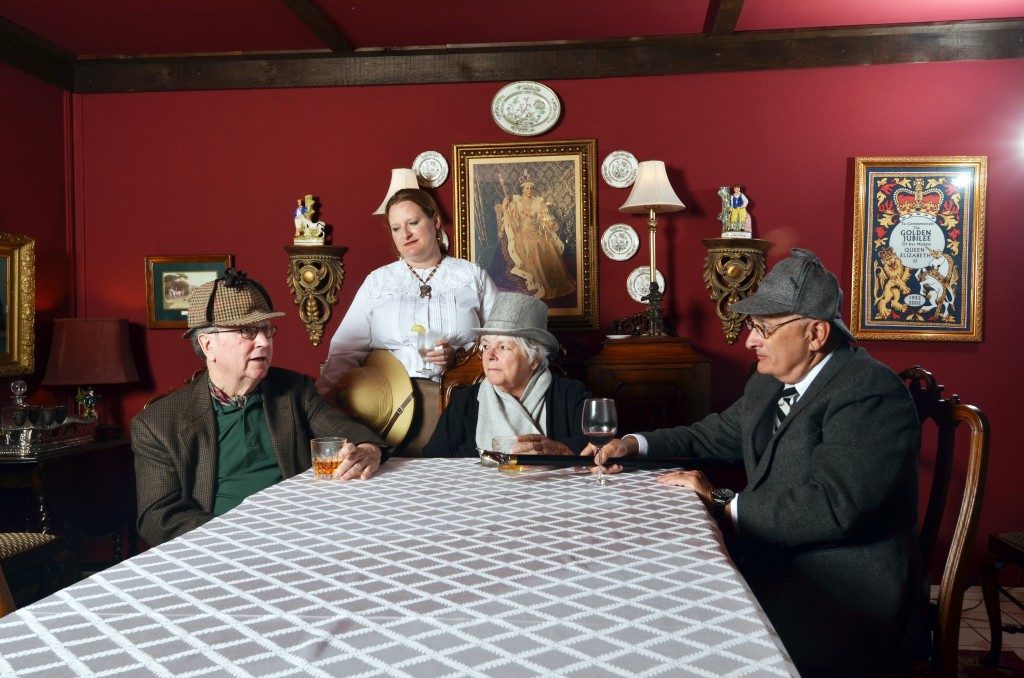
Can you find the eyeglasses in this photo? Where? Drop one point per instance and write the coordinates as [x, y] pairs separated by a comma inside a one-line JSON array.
[[768, 329], [250, 332]]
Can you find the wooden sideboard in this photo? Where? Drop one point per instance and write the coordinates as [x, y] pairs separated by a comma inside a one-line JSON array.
[[655, 381]]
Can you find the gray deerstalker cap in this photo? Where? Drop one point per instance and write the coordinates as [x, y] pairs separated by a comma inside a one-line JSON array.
[[801, 285]]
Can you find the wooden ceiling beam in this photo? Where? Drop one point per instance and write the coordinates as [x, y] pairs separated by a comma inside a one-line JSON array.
[[321, 26], [805, 48], [722, 16], [36, 56]]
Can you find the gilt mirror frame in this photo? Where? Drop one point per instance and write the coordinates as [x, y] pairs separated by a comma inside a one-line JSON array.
[[18, 296]]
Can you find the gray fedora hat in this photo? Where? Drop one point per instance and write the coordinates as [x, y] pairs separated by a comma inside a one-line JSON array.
[[518, 315], [799, 284]]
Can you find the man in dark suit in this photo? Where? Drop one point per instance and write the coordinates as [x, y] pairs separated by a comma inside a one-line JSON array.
[[827, 523], [240, 427]]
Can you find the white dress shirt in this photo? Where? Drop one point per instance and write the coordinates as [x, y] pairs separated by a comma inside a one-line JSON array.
[[388, 304]]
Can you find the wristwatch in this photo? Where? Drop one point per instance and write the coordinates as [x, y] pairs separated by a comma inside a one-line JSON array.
[[719, 498]]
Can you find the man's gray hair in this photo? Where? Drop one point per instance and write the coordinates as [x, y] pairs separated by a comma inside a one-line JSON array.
[[195, 340]]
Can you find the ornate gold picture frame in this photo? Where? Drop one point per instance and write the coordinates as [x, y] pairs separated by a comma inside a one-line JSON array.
[[918, 248], [18, 296], [525, 212]]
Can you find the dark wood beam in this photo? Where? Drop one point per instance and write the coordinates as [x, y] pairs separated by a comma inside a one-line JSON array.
[[27, 51], [321, 26], [722, 16], [806, 48]]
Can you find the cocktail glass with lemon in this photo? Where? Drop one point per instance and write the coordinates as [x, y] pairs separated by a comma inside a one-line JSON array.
[[426, 344]]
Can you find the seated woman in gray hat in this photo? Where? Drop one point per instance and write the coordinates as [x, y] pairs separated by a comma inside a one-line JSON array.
[[520, 396]]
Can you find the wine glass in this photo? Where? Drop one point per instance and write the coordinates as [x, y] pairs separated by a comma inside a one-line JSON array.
[[425, 344], [599, 425]]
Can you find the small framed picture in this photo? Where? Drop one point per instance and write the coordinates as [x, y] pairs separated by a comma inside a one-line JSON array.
[[169, 281]]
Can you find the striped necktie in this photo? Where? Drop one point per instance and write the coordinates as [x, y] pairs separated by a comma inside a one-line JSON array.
[[786, 400]]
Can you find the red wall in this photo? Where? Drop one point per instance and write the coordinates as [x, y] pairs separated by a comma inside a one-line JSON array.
[[32, 197], [219, 172]]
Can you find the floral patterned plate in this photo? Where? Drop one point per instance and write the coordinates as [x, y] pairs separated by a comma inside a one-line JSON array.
[[620, 242], [638, 284]]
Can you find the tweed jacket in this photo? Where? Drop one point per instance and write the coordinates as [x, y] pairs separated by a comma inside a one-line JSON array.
[[175, 446], [455, 435], [828, 518]]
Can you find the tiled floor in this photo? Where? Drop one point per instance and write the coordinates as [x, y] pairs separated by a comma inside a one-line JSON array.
[[974, 629]]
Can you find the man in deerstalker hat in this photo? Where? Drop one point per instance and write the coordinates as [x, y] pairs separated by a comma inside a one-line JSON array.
[[238, 428], [827, 523]]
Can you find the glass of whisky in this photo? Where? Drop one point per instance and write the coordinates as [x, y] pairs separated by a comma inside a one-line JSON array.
[[326, 453]]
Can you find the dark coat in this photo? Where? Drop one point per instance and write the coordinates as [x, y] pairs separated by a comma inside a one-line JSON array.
[[828, 519], [175, 445], [455, 435]]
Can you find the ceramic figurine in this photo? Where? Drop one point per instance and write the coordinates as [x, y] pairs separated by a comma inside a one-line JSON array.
[[307, 230], [734, 217]]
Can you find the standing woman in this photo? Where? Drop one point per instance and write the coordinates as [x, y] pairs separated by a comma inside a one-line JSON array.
[[424, 290]]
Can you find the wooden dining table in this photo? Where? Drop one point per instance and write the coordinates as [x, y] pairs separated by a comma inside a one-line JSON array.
[[434, 567]]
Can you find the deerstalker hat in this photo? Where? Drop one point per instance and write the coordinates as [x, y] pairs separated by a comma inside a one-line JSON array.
[[232, 300], [379, 393], [519, 315], [799, 284]]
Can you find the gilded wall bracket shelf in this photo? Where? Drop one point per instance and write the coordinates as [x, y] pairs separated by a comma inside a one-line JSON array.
[[733, 269], [315, 274]]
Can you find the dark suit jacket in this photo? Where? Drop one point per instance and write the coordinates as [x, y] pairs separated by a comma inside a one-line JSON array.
[[455, 435], [828, 519], [175, 445]]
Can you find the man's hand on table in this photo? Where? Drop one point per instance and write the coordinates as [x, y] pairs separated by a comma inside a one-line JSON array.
[[617, 447], [695, 480], [358, 462]]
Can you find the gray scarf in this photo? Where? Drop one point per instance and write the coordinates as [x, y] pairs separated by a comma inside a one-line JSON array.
[[501, 414]]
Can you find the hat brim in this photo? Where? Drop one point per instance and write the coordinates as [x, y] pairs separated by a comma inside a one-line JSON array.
[[238, 322], [755, 305], [542, 337], [393, 425]]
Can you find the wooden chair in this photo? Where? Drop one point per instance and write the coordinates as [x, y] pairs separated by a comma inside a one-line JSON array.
[[6, 599], [1002, 549], [468, 369], [152, 399], [947, 414], [33, 558]]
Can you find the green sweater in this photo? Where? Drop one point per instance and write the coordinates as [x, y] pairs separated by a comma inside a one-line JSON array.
[[246, 463]]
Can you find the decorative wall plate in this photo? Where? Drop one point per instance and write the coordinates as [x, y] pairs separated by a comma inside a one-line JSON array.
[[619, 169], [526, 108], [620, 242], [638, 284], [431, 169]]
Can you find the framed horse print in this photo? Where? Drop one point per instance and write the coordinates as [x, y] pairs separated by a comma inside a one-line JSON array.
[[525, 213], [918, 248], [169, 281]]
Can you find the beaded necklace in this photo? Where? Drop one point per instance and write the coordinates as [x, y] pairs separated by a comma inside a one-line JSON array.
[[425, 289]]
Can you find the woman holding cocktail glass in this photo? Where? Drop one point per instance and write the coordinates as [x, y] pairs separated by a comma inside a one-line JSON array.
[[519, 396], [419, 308]]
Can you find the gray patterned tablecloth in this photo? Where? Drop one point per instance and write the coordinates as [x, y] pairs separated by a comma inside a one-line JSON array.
[[435, 567]]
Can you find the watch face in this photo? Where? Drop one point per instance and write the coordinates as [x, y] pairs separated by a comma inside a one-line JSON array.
[[722, 495]]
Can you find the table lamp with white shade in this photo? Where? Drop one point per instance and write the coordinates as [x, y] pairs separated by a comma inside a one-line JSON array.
[[652, 194], [400, 178]]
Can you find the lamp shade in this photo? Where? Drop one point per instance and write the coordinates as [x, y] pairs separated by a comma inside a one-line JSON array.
[[652, 191], [400, 178], [90, 351]]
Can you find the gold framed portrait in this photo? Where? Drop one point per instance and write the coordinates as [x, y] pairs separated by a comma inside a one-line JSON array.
[[525, 212]]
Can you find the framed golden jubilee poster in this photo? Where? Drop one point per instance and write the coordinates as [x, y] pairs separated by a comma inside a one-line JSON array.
[[918, 248], [525, 213]]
